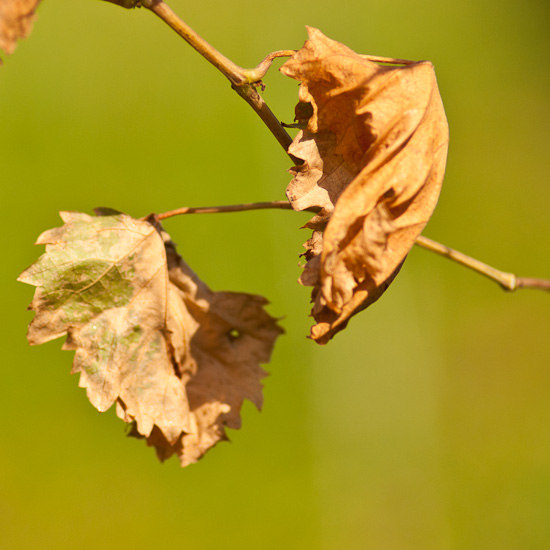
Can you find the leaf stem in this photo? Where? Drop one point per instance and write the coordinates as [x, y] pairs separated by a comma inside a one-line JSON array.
[[281, 205], [243, 81], [508, 281]]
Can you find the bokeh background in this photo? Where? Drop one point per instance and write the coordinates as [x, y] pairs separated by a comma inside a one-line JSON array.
[[425, 425]]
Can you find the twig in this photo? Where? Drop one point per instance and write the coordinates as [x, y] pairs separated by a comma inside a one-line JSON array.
[[232, 71], [256, 101], [243, 81], [281, 205], [508, 281]]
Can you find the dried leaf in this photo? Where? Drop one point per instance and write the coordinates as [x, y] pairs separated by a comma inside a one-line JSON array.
[[16, 19], [176, 358], [374, 153]]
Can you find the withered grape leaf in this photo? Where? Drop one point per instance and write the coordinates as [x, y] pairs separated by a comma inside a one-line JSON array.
[[177, 358], [374, 152], [16, 19]]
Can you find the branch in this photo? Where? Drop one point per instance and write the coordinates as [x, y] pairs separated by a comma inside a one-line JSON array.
[[508, 281], [232, 71], [277, 205], [243, 81], [281, 205]]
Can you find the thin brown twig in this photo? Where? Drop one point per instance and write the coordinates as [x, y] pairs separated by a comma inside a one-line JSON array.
[[507, 281], [280, 205], [232, 71], [256, 101], [242, 80]]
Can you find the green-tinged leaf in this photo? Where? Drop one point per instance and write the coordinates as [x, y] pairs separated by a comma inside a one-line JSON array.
[[89, 267], [176, 358]]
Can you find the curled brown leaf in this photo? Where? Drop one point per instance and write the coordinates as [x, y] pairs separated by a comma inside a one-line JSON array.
[[374, 153]]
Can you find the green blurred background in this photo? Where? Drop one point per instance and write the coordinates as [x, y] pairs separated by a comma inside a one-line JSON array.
[[425, 425]]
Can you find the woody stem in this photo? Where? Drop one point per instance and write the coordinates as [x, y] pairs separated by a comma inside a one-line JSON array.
[[243, 81], [281, 205], [507, 281]]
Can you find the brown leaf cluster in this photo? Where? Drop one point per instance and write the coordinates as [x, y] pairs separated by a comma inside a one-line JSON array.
[[374, 148], [177, 358], [16, 19]]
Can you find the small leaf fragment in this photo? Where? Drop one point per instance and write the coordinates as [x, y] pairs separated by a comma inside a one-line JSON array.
[[374, 153], [16, 20], [176, 358]]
